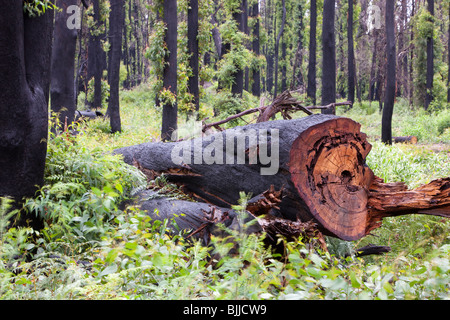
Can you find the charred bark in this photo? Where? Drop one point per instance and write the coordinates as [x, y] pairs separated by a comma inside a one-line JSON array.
[[116, 27], [430, 61], [192, 31], [311, 90], [329, 55], [351, 54], [25, 51], [170, 109], [62, 89], [386, 122], [256, 86]]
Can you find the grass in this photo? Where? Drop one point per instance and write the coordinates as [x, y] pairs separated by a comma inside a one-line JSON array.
[[107, 253]]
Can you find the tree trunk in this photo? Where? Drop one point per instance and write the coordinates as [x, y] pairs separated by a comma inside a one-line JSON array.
[[25, 50], [297, 76], [404, 60], [170, 110], [311, 90], [63, 66], [316, 166], [329, 55], [373, 79], [430, 62], [448, 50], [386, 122], [277, 45], [95, 65], [238, 84], [351, 54], [192, 23], [269, 18], [256, 86], [115, 31]]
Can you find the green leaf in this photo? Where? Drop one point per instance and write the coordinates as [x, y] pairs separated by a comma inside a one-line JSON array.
[[108, 270]]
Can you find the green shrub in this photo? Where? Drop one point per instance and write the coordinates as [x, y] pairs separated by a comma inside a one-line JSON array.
[[82, 189], [443, 121]]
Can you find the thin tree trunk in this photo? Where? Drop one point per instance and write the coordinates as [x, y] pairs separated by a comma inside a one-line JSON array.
[[192, 19], [311, 90], [238, 83], [351, 54], [277, 45], [95, 58], [116, 27], [372, 80], [170, 110], [256, 86], [63, 66], [448, 81], [297, 76], [329, 55], [411, 66], [430, 62], [386, 122]]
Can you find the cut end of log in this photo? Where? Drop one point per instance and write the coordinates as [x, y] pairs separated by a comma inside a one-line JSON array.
[[327, 164]]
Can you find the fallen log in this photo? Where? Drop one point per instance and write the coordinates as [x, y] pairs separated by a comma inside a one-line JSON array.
[[87, 115], [201, 221], [407, 139], [317, 163]]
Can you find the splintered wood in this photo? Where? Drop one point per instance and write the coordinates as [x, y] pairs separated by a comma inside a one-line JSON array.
[[392, 199]]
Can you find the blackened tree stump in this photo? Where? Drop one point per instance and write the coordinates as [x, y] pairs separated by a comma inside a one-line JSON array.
[[317, 163]]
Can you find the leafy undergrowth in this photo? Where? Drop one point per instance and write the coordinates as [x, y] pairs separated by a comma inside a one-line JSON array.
[[92, 248]]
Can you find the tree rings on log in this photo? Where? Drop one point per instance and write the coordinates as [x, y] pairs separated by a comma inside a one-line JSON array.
[[327, 164]]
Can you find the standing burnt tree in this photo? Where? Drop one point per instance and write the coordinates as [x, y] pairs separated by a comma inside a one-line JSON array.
[[62, 91], [277, 46], [25, 50], [115, 38], [351, 54], [311, 90], [192, 25], [328, 56], [238, 83], [386, 122], [95, 53], [430, 61], [254, 13], [170, 108]]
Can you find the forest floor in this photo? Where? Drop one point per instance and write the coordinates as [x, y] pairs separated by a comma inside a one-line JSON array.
[[104, 252]]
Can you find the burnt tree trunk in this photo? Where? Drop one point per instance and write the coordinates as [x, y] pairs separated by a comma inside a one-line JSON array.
[[329, 55], [430, 61], [351, 54], [116, 27], [95, 52], [192, 31], [311, 90], [25, 51], [238, 84], [277, 46], [170, 110], [256, 86], [386, 122], [62, 91]]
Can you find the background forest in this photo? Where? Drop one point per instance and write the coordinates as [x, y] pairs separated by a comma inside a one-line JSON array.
[[265, 49], [158, 68]]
